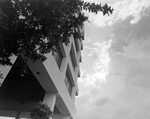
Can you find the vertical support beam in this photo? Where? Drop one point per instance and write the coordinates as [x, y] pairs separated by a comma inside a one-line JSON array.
[[18, 116], [21, 115], [60, 116], [25, 115], [50, 100], [73, 93], [63, 66]]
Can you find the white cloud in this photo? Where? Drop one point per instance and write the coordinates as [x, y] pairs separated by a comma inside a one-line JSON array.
[[98, 68], [103, 1], [136, 19], [125, 92], [134, 90], [122, 10]]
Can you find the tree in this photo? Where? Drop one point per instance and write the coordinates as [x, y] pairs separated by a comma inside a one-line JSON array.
[[41, 111], [33, 28]]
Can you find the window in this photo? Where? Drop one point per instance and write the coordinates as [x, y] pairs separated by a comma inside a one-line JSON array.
[[58, 56], [76, 44], [72, 57], [68, 82]]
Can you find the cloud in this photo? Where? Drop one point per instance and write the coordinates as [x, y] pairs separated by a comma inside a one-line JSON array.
[[102, 101], [102, 1], [129, 71], [125, 34], [98, 58], [124, 94], [131, 83], [122, 10]]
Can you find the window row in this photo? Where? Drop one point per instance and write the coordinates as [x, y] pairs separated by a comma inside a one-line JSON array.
[[68, 82]]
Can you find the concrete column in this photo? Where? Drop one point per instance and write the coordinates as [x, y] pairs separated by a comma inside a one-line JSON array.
[[60, 116], [50, 99], [63, 67], [21, 115], [25, 115], [73, 93], [18, 116]]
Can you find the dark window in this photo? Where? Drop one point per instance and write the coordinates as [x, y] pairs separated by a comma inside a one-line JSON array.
[[72, 57], [76, 44], [58, 56], [68, 82]]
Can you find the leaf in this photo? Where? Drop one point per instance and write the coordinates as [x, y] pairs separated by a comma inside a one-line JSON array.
[[41, 19]]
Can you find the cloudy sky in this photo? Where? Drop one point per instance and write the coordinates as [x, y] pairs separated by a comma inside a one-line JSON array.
[[115, 68]]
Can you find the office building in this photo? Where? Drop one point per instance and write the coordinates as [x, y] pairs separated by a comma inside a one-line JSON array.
[[53, 82]]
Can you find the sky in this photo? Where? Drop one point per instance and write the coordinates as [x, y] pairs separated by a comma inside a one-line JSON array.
[[115, 68]]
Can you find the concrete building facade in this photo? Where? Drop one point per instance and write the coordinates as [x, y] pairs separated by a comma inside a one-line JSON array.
[[53, 82]]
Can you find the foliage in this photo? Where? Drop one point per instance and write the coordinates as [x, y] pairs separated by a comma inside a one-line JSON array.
[[41, 111], [34, 28]]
